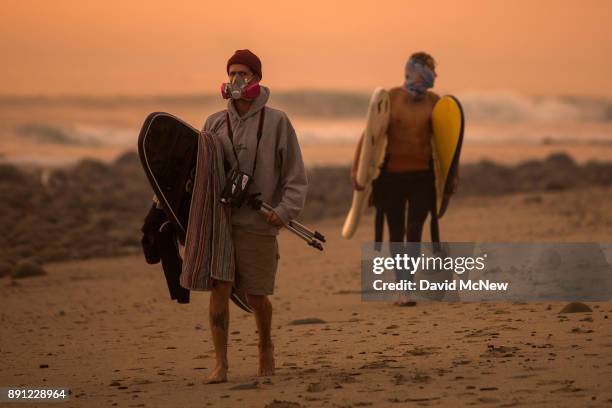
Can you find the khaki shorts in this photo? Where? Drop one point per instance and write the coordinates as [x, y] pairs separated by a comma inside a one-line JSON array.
[[256, 262]]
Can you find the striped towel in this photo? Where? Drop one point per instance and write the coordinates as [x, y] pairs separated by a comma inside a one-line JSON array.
[[209, 251]]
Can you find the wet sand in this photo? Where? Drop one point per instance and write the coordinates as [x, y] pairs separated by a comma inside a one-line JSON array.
[[107, 330]]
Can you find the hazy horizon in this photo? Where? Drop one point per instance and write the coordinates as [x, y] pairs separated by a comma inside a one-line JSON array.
[[213, 94]]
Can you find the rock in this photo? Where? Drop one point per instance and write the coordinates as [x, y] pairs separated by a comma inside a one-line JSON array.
[[26, 269], [80, 211], [316, 387], [128, 159], [11, 172], [575, 307], [533, 199], [5, 269], [247, 386]]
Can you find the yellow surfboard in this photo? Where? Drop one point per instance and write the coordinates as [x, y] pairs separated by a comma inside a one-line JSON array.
[[448, 123], [373, 148]]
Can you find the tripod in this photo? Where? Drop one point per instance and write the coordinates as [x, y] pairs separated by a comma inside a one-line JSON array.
[[312, 238]]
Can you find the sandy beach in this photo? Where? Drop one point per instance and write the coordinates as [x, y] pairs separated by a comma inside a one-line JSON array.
[[511, 308], [106, 329], [101, 323]]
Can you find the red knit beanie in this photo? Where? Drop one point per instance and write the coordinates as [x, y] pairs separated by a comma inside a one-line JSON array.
[[246, 57]]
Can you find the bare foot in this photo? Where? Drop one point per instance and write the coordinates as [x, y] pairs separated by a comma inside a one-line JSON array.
[[266, 361], [405, 303], [217, 375]]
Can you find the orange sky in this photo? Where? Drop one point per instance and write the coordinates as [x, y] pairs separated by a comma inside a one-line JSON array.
[[153, 47]]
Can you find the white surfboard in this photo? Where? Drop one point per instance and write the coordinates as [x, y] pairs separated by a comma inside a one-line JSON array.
[[373, 148]]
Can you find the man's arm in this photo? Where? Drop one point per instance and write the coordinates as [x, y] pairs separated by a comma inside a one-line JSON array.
[[293, 175], [356, 186]]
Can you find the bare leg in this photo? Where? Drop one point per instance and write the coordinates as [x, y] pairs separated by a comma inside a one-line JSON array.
[[263, 317], [420, 201], [219, 326]]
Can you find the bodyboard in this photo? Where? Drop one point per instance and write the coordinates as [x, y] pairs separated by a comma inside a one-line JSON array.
[[167, 148]]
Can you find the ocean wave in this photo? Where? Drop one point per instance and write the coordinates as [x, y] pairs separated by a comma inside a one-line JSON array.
[[77, 134], [492, 106], [512, 106], [45, 134], [321, 117], [478, 105]]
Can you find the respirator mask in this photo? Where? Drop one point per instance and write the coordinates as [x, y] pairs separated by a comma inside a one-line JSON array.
[[238, 88]]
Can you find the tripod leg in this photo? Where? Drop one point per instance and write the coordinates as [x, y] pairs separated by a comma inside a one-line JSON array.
[[297, 232], [299, 226]]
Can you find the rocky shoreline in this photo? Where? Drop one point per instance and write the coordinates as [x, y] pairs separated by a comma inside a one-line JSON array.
[[93, 209]]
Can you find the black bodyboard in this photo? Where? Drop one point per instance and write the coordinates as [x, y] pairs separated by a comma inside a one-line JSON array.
[[167, 147]]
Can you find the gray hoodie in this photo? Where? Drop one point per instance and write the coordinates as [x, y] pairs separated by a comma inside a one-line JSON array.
[[279, 176]]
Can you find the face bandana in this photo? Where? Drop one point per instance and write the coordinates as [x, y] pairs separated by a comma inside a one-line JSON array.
[[240, 89], [418, 78]]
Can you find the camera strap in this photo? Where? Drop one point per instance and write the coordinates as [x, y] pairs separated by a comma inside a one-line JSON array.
[[230, 134]]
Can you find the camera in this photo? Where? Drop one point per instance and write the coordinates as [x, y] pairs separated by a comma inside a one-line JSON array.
[[235, 192]]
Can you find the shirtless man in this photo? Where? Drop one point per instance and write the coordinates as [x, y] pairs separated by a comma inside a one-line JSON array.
[[406, 174]]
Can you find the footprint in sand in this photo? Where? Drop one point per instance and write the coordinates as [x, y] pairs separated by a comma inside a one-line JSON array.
[[311, 320], [283, 404]]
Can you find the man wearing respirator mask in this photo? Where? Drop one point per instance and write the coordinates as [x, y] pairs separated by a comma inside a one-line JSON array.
[[260, 147]]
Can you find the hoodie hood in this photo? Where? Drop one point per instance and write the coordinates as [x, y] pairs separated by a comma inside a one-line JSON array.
[[256, 105]]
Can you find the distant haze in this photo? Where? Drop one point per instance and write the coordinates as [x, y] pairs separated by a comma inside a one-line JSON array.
[[160, 47]]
